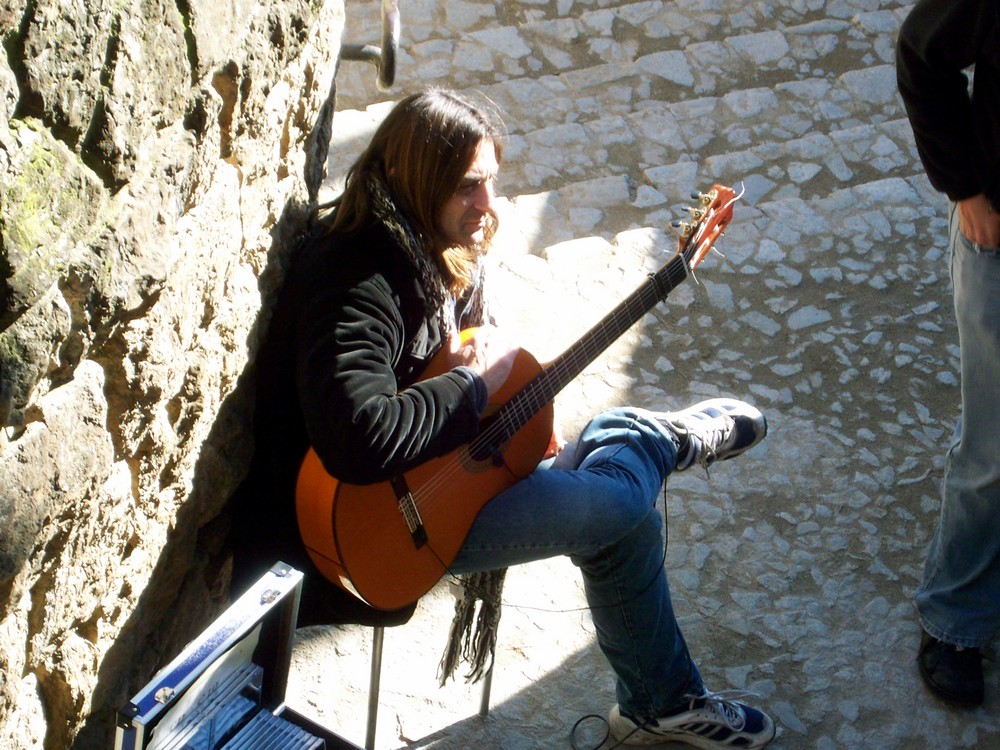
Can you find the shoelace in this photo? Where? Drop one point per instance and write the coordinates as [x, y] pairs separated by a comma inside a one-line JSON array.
[[723, 704], [716, 436]]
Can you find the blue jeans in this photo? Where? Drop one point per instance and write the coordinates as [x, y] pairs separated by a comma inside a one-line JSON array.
[[596, 505], [959, 597]]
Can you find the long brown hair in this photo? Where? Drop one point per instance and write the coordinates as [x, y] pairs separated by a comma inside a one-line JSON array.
[[421, 152]]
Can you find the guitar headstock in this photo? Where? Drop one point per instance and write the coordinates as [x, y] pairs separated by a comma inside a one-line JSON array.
[[711, 216]]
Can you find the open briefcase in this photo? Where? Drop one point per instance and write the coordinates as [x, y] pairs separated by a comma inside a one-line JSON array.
[[226, 690]]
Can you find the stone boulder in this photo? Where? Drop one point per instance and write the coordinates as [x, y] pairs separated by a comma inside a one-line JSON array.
[[157, 159]]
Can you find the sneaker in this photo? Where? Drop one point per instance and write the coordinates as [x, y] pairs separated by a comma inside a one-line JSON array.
[[951, 672], [708, 721], [714, 430]]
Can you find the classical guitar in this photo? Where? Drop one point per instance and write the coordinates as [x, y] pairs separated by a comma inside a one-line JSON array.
[[388, 543]]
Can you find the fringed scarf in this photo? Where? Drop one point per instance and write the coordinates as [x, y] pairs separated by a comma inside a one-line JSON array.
[[476, 646], [472, 636]]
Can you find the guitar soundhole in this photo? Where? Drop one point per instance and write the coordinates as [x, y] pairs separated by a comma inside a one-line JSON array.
[[481, 449], [486, 452]]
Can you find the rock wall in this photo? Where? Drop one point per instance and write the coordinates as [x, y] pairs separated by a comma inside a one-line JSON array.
[[156, 157]]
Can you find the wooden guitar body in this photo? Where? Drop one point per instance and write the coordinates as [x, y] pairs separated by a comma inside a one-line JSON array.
[[358, 535]]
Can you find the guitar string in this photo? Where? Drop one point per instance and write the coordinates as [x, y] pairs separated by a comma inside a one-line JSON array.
[[533, 397], [691, 248], [529, 400]]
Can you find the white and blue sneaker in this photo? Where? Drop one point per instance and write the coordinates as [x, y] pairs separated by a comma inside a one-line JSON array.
[[709, 721], [714, 430]]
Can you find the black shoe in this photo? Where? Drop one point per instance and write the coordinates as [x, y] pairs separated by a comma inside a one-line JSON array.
[[714, 430], [951, 672]]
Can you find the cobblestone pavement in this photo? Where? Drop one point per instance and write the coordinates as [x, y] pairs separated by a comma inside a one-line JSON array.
[[793, 567]]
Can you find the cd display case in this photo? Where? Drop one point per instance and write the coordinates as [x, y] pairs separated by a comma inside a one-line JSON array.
[[226, 689]]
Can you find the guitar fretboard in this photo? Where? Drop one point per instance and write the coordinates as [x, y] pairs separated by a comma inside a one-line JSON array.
[[540, 391]]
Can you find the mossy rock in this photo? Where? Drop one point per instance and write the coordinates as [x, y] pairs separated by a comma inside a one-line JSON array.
[[52, 203]]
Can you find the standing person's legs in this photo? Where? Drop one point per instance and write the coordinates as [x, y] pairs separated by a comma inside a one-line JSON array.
[[959, 597]]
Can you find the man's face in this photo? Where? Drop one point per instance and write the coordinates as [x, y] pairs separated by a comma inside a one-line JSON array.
[[464, 215]]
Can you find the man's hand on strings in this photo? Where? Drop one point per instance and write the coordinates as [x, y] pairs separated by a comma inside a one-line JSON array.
[[488, 352]]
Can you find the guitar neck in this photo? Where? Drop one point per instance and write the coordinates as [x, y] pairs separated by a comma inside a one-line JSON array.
[[567, 366]]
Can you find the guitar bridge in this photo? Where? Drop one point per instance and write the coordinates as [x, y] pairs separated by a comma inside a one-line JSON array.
[[408, 509]]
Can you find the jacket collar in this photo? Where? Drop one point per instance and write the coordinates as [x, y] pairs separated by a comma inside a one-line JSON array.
[[394, 223]]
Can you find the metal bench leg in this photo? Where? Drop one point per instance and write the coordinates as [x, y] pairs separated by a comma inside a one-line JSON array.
[[484, 702], [378, 634]]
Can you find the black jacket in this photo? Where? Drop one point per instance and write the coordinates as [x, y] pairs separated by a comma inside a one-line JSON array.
[[958, 137], [357, 319], [360, 335]]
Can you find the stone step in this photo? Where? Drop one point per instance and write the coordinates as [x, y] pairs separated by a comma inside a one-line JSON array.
[[565, 65], [746, 60], [658, 108], [708, 94], [607, 205], [759, 119], [585, 19], [603, 178], [824, 129]]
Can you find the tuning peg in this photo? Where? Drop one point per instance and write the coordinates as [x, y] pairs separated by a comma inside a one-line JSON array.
[[705, 198], [684, 227]]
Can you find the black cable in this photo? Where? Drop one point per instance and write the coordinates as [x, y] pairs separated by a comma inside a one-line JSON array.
[[576, 727], [607, 734]]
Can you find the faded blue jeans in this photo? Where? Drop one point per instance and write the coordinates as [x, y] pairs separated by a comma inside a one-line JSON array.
[[596, 505], [959, 598]]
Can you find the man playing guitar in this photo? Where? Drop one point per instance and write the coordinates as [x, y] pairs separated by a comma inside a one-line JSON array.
[[424, 458]]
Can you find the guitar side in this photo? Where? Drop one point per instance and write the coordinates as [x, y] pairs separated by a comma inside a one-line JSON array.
[[358, 536]]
